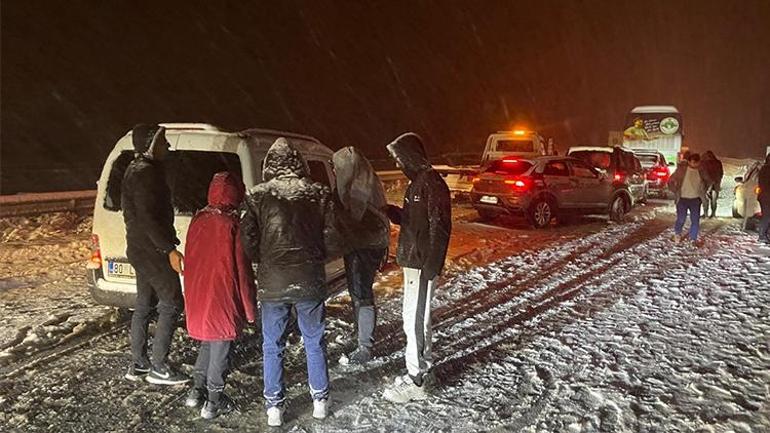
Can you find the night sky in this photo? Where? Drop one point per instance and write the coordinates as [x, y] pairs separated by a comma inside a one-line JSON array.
[[76, 75]]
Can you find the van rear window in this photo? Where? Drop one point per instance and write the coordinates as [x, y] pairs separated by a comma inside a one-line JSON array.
[[188, 174], [526, 146]]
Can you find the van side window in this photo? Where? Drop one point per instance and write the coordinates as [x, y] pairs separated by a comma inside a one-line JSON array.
[[115, 180], [189, 173], [556, 168], [318, 172]]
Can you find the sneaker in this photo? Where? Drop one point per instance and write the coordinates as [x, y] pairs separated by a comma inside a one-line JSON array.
[[275, 416], [360, 356], [211, 410], [320, 408], [404, 390], [136, 372], [164, 375], [195, 397]]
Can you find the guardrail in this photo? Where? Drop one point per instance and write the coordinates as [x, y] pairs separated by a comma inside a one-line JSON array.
[[83, 201]]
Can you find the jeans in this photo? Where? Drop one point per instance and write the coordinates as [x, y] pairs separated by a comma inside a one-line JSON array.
[[360, 268], [212, 366], [683, 206], [712, 196], [161, 292], [418, 293], [764, 222], [311, 320]]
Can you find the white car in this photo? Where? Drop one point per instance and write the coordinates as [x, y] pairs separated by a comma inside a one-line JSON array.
[[518, 143], [745, 204], [198, 151]]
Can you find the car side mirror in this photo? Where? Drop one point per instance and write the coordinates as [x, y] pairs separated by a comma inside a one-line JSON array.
[[739, 179]]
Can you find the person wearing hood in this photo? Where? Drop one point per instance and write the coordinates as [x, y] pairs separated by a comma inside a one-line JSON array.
[[713, 172], [219, 292], [426, 224], [363, 222], [689, 187], [151, 249], [763, 182], [286, 226]]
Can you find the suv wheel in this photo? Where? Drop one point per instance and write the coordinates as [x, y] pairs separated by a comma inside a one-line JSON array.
[[618, 209], [540, 213]]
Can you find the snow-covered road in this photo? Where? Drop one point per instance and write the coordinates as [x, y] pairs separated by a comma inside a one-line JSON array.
[[579, 328]]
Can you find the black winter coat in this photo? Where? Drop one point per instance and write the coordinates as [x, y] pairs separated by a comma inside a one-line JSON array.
[[286, 225], [426, 218], [763, 181], [149, 217]]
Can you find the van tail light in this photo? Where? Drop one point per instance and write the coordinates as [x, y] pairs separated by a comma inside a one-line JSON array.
[[95, 262], [519, 184]]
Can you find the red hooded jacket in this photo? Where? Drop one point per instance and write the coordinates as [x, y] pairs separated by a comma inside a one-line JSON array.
[[219, 289]]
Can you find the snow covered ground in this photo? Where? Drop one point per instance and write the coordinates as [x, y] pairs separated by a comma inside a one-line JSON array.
[[588, 327]]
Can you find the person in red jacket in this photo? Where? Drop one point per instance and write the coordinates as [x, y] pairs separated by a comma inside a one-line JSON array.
[[219, 293]]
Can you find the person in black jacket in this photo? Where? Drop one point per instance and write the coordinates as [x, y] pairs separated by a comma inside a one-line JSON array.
[[151, 249], [426, 224], [360, 210], [286, 227], [763, 182], [713, 171]]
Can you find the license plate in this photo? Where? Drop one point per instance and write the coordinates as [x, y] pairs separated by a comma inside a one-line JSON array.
[[488, 199], [120, 269]]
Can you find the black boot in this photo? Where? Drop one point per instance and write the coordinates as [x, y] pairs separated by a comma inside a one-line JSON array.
[[217, 404]]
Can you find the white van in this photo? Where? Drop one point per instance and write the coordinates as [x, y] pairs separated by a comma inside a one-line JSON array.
[[198, 151], [519, 143]]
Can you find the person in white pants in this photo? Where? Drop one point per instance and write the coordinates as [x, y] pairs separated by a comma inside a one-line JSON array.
[[426, 224]]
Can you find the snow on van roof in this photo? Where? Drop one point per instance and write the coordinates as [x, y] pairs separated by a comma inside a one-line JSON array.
[[590, 149], [642, 109]]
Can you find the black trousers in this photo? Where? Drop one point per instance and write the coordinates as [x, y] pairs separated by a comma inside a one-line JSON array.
[[162, 293], [212, 366], [360, 269]]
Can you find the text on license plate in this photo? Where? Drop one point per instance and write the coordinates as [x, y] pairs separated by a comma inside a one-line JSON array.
[[488, 199], [120, 269]]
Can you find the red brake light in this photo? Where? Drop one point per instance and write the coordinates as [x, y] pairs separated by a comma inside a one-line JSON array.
[[476, 180], [510, 160], [519, 184], [95, 262], [618, 177]]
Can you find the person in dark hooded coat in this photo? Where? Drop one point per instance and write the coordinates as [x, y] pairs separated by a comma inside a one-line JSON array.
[[426, 224], [364, 225], [713, 172], [286, 224], [763, 182], [151, 249], [219, 291]]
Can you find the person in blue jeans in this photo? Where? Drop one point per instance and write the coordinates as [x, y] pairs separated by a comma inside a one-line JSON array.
[[286, 227], [688, 183]]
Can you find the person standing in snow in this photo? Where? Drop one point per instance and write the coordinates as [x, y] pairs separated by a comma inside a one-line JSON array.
[[286, 222], [426, 224], [363, 222], [763, 182], [689, 187], [219, 292], [713, 172], [151, 249]]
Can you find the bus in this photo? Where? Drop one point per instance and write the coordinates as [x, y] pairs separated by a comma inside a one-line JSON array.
[[655, 127]]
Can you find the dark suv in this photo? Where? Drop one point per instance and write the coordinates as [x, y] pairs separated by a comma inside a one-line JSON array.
[[621, 166], [545, 188]]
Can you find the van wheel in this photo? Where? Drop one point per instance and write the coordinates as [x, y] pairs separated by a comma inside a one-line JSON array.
[[485, 215], [618, 209], [540, 213]]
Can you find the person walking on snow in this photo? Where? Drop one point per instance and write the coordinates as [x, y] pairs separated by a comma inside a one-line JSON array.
[[426, 224], [713, 172], [286, 224], [219, 294], [763, 182], [689, 187], [151, 249], [364, 225]]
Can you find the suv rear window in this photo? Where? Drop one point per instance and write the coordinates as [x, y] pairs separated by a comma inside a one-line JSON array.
[[595, 158], [188, 174], [514, 146], [513, 168]]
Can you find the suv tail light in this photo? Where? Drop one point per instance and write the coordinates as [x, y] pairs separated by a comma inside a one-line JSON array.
[[95, 262], [519, 184], [619, 177], [658, 173]]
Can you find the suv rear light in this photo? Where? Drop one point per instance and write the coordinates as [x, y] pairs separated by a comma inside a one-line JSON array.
[[619, 177], [658, 173], [95, 262], [519, 184]]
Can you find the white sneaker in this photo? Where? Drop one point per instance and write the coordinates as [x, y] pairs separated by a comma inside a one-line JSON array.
[[404, 390], [320, 408], [275, 416]]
